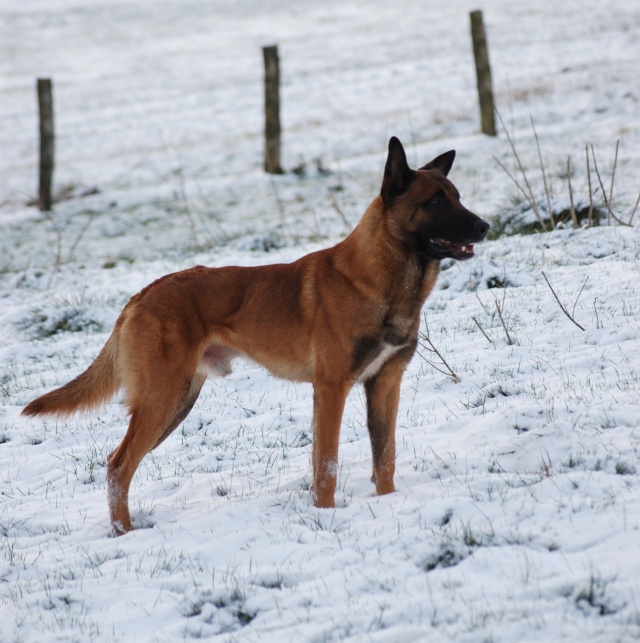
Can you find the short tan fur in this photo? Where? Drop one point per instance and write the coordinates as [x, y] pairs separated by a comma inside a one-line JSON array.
[[336, 317]]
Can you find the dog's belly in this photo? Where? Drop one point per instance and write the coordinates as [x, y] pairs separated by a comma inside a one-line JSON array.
[[372, 368], [216, 362], [287, 369]]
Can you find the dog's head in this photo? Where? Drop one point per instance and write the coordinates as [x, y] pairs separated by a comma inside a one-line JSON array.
[[424, 207]]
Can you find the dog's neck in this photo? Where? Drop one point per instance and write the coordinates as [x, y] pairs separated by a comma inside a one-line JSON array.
[[389, 269]]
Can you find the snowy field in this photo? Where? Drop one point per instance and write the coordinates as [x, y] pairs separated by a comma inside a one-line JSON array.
[[517, 515]]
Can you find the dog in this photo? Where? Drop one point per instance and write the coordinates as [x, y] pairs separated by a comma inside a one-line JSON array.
[[336, 317]]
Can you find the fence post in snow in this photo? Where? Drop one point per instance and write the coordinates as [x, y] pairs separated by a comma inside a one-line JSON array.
[[45, 105], [483, 73], [272, 110]]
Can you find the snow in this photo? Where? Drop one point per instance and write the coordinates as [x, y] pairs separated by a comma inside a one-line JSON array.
[[517, 514]]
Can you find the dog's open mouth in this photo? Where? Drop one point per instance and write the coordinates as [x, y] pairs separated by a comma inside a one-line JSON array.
[[441, 249]]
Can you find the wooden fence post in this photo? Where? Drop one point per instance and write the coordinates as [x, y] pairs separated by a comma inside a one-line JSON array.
[[45, 105], [483, 73], [272, 110]]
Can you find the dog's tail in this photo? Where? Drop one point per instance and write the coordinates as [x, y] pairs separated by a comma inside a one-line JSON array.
[[87, 391]]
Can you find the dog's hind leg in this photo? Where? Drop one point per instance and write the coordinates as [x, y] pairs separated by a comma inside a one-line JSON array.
[[150, 424], [185, 408]]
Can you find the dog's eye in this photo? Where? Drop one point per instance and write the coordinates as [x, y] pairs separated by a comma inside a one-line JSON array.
[[436, 201]]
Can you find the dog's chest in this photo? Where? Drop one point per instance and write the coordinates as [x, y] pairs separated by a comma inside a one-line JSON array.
[[371, 352], [372, 368]]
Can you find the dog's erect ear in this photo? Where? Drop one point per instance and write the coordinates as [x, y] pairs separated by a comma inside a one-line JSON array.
[[397, 173], [442, 162]]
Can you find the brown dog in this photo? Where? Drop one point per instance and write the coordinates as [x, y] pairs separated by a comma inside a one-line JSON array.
[[335, 317]]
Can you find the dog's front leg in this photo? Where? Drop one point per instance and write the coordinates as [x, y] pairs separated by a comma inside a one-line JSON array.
[[328, 405], [383, 396]]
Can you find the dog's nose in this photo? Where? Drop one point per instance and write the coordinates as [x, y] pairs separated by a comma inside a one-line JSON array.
[[481, 229]]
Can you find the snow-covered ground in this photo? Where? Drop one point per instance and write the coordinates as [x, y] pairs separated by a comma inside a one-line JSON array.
[[517, 515]]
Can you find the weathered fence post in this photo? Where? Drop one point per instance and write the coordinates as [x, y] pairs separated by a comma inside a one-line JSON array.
[[45, 105], [272, 110], [483, 73]]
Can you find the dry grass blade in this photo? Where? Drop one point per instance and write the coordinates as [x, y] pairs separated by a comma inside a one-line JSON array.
[[79, 236], [186, 206], [58, 234], [574, 216], [336, 206], [564, 310], [584, 283], [482, 330], [635, 207], [449, 372], [428, 345], [613, 173], [528, 192], [607, 200], [590, 216], [510, 341], [547, 189]]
